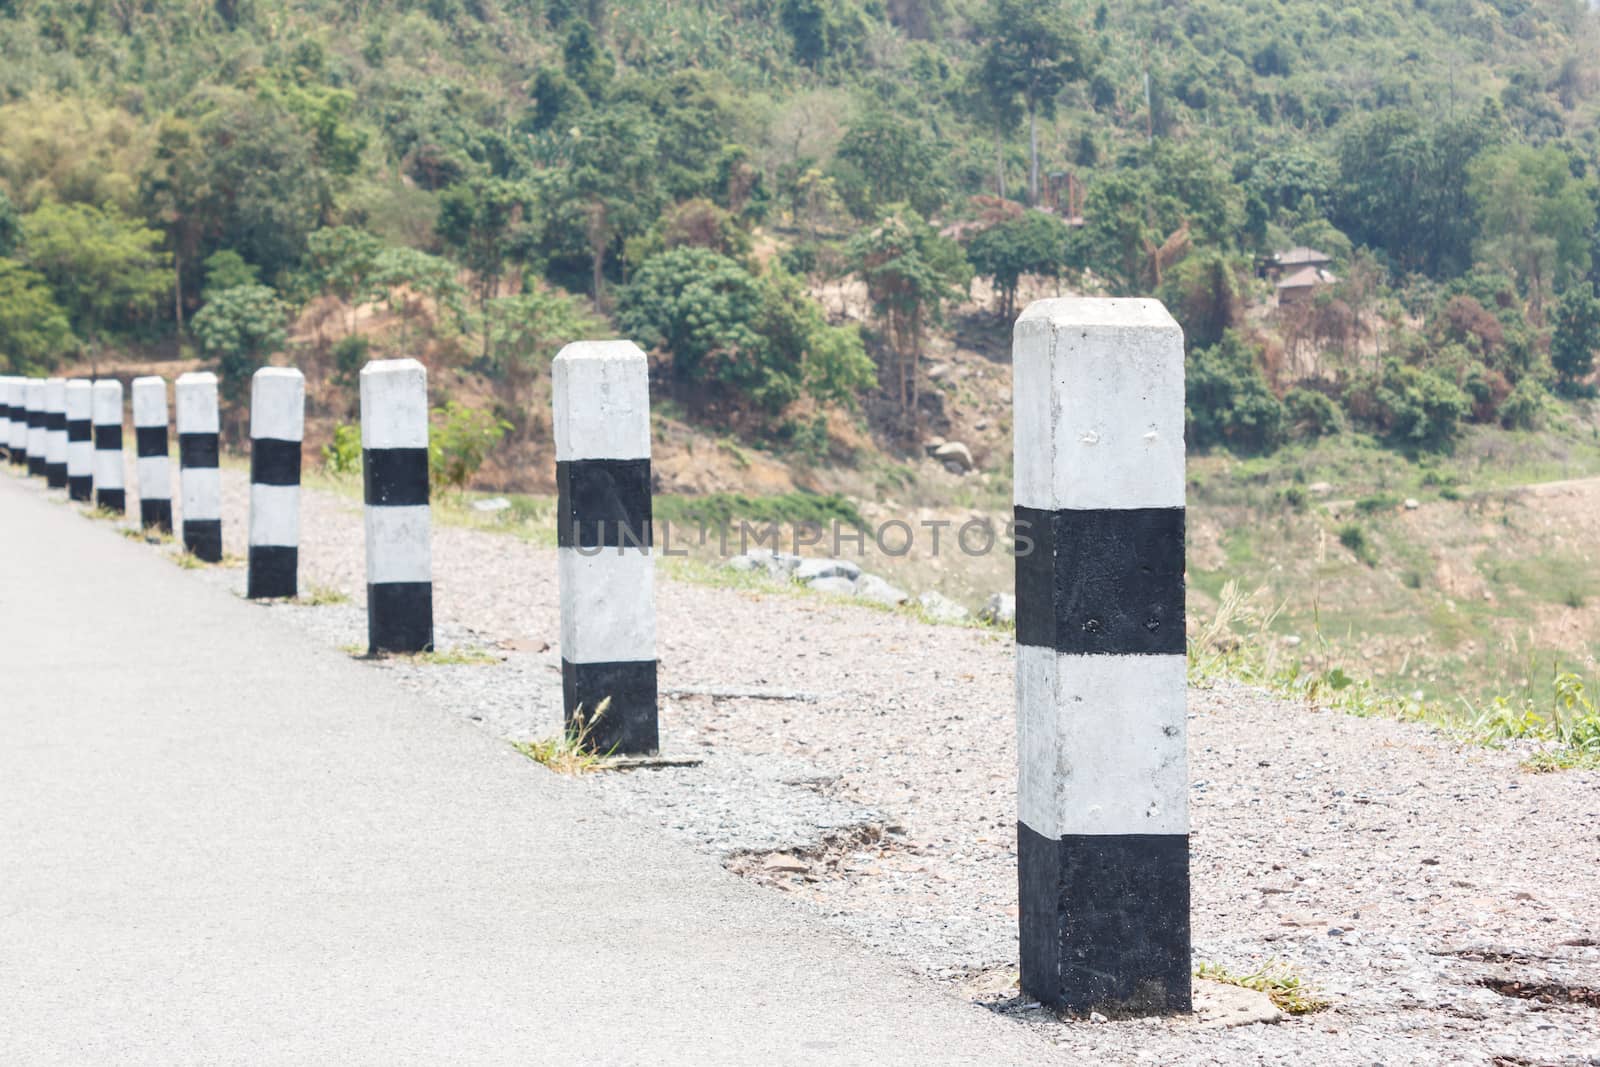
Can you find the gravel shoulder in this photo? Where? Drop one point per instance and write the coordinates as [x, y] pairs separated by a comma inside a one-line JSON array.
[[1415, 882]]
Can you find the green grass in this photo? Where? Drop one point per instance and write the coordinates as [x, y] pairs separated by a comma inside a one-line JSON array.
[[570, 751], [723, 510], [1287, 991], [317, 596]]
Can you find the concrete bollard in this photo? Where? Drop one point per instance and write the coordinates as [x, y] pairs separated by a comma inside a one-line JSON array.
[[55, 433], [1103, 828], [277, 427], [110, 492], [80, 447], [604, 538], [394, 457], [17, 443], [5, 415], [33, 400], [199, 476], [153, 455]]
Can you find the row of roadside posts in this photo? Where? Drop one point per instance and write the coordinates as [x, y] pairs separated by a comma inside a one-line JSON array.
[[1102, 829]]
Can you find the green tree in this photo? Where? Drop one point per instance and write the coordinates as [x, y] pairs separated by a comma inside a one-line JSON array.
[[885, 159], [613, 187], [1536, 217], [1033, 243], [404, 275], [225, 270], [10, 225], [489, 224], [1576, 336], [529, 329], [698, 307], [1227, 401], [34, 331], [460, 441], [1031, 51], [239, 328], [343, 260], [910, 271], [105, 269]]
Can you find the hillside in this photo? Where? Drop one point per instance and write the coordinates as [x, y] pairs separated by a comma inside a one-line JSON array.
[[1377, 226]]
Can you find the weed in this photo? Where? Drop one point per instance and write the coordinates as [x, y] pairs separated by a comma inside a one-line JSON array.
[[1369, 505], [456, 657], [1353, 537], [1281, 985], [1573, 599], [570, 751], [188, 560], [322, 595]]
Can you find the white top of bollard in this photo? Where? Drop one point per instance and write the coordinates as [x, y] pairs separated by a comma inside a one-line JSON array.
[[1098, 401], [197, 402], [108, 402], [601, 396], [36, 395], [394, 404], [278, 404], [149, 401], [55, 395], [79, 392]]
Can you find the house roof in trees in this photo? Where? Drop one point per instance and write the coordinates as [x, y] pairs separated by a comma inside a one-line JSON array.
[[1306, 278], [1302, 257]]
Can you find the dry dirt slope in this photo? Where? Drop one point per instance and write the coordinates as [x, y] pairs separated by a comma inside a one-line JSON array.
[[1446, 901]]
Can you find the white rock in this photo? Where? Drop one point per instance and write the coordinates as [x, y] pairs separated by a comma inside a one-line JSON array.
[[494, 503], [871, 587], [1412, 503], [1319, 488], [1001, 607], [940, 608], [954, 452]]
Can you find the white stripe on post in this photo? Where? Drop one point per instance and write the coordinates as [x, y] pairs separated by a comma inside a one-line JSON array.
[[601, 394], [277, 428], [110, 491], [394, 454], [154, 462], [55, 437], [33, 399], [1102, 805], [199, 474], [80, 443]]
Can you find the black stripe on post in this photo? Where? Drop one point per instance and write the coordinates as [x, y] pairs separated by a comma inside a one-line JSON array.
[[273, 572], [80, 487], [150, 441], [1119, 929], [627, 693], [400, 616], [203, 537], [395, 477], [108, 438], [1107, 581], [274, 462], [78, 430], [198, 450], [111, 499], [603, 503], [155, 513]]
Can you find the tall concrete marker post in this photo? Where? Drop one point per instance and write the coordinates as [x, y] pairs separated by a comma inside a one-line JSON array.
[[55, 433], [154, 458], [1103, 823], [604, 541], [277, 427], [199, 471], [394, 460], [17, 445], [5, 415], [110, 481], [33, 402], [80, 445]]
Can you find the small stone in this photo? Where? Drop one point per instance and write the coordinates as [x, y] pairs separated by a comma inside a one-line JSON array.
[[811, 569], [494, 503], [1292, 640], [835, 584], [1412, 503], [783, 863], [872, 588], [940, 608], [954, 452], [1096, 1017], [1319, 488], [1000, 608]]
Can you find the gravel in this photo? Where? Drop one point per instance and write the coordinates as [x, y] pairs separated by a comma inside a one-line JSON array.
[[1400, 874]]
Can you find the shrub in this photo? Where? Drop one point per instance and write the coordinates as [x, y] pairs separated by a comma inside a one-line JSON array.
[[460, 441], [1355, 539], [1524, 408], [1312, 414], [1228, 402], [1419, 408], [349, 356], [343, 454]]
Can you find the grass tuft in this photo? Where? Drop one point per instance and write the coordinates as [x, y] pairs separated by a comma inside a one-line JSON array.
[[322, 595], [570, 751], [1286, 990]]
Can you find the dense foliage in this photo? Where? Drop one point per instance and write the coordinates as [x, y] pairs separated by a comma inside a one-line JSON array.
[[500, 176]]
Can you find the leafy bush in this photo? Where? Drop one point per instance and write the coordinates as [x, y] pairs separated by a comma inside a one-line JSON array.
[[342, 456], [1419, 408], [1355, 539], [1312, 414], [1524, 408], [239, 328], [1227, 400], [460, 441], [349, 356]]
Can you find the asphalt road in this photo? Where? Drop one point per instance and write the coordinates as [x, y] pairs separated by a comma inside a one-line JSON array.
[[223, 843]]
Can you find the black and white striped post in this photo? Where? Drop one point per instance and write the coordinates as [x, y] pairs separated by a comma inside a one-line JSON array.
[[604, 544], [110, 480], [17, 443], [55, 433], [80, 446], [33, 406], [277, 427], [199, 473], [1103, 823], [5, 415], [153, 453], [394, 456]]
